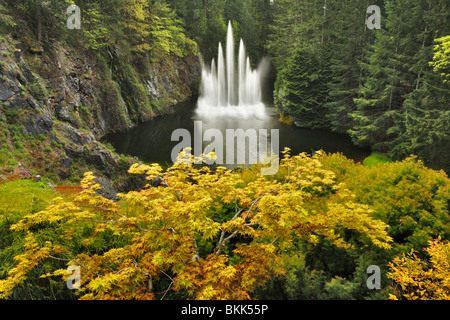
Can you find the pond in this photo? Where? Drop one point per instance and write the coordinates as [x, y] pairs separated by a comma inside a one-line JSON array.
[[151, 141]]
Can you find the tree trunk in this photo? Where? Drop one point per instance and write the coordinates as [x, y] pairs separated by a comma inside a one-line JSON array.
[[38, 21], [325, 17]]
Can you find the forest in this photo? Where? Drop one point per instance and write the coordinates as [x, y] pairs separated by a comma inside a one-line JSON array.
[[192, 231], [387, 88]]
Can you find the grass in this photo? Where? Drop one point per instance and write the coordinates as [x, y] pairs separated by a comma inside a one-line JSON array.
[[21, 197], [375, 159]]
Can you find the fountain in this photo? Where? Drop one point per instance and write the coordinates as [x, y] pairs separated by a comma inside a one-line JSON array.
[[227, 92]]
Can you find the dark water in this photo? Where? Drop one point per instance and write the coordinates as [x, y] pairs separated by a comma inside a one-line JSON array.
[[151, 141]]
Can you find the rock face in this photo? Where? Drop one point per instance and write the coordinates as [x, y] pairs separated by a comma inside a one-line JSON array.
[[71, 99], [38, 124], [7, 88]]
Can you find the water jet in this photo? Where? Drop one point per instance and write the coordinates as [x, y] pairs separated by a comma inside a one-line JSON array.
[[230, 92]]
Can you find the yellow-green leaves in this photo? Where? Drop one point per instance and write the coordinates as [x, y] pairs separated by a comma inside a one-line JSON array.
[[416, 279], [441, 59], [212, 234], [25, 262]]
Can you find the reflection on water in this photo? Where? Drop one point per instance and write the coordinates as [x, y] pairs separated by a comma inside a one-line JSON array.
[[151, 141]]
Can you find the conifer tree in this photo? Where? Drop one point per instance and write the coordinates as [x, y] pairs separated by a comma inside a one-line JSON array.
[[389, 76], [301, 89], [349, 37], [423, 126], [284, 33]]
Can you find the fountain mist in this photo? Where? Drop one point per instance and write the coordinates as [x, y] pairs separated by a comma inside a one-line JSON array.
[[227, 93]]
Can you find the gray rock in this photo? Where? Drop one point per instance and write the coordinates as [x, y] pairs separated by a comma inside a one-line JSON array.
[[17, 55], [66, 163], [151, 89], [63, 174], [107, 188], [87, 138], [19, 102], [28, 76], [63, 113], [33, 104], [99, 160], [6, 90], [38, 124], [73, 135], [73, 150]]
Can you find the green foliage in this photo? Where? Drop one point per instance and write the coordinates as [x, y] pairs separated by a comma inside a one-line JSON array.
[[17, 199], [410, 197], [94, 30], [301, 89], [38, 91], [375, 159], [112, 100], [6, 20], [441, 58], [206, 23], [283, 30], [167, 34], [134, 94], [382, 89]]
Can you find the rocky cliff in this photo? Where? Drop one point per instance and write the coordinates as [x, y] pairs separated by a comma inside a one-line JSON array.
[[55, 105]]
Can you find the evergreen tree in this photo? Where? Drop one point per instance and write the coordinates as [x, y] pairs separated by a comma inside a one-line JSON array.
[[348, 37], [390, 76], [302, 88], [240, 12], [284, 34], [204, 23], [424, 124], [263, 11]]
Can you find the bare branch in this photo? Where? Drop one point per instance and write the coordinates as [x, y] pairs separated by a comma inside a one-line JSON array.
[[167, 290], [177, 194], [221, 244], [223, 240], [257, 200], [170, 285], [252, 224], [196, 252]]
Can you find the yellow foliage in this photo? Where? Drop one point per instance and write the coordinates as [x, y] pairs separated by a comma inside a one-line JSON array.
[[26, 262], [181, 231], [416, 279]]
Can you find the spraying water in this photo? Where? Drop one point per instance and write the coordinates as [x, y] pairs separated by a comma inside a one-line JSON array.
[[227, 92]]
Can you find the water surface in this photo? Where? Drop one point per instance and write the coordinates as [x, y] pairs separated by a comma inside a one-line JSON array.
[[151, 141]]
